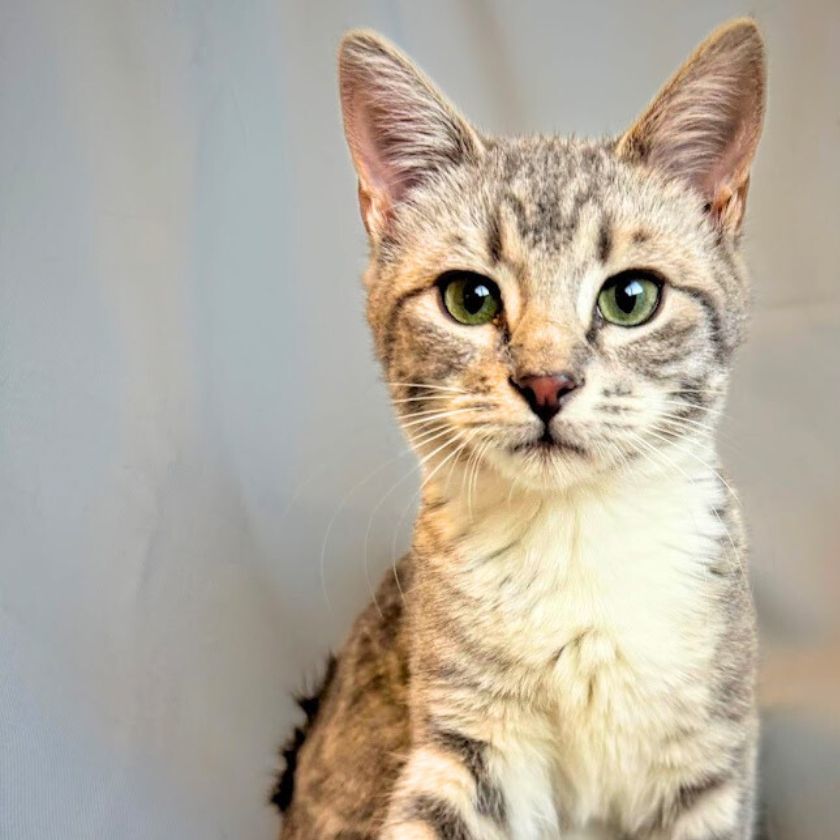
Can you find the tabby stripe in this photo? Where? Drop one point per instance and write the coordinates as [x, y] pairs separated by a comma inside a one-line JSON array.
[[494, 237], [689, 795], [685, 799], [519, 212], [708, 303], [604, 240], [490, 801], [393, 321], [439, 815]]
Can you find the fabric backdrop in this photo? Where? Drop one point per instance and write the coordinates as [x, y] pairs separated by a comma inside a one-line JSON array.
[[199, 474]]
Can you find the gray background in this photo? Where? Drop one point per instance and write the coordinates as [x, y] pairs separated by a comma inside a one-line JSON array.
[[198, 469]]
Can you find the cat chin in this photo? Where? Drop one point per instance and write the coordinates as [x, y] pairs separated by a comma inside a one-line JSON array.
[[546, 469]]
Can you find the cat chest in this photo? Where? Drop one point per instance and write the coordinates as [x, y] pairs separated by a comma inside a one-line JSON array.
[[618, 645], [609, 609], [605, 737], [619, 714]]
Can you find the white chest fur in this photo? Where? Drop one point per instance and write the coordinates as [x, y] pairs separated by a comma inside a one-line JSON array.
[[607, 598]]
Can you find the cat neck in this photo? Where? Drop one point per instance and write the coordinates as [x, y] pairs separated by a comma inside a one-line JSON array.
[[486, 515]]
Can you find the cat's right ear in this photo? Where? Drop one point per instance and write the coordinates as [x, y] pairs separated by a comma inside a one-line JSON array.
[[401, 130]]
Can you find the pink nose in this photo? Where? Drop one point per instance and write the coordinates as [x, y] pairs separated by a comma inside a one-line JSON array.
[[545, 394]]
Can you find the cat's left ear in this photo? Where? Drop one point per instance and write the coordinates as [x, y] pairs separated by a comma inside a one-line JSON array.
[[704, 125], [400, 129]]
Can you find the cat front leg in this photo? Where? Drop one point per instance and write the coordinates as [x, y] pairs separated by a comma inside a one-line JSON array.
[[448, 790], [720, 809], [459, 786], [721, 815]]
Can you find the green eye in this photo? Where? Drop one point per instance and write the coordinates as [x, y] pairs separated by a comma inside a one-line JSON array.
[[629, 299], [470, 298]]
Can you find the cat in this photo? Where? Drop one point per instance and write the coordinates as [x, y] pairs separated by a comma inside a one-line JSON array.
[[569, 648]]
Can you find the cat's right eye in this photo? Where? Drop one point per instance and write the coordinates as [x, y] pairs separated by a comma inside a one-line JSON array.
[[470, 298]]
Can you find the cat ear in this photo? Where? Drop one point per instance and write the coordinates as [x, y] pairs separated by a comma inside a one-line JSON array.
[[400, 128], [704, 125]]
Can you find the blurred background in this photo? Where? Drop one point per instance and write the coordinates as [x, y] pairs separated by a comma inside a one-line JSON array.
[[183, 532]]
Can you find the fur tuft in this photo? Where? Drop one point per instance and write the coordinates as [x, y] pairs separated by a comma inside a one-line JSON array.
[[284, 788]]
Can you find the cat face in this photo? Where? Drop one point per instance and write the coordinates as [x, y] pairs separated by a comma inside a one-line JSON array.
[[555, 309]]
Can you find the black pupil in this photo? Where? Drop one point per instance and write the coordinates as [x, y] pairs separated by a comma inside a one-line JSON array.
[[475, 295], [628, 295]]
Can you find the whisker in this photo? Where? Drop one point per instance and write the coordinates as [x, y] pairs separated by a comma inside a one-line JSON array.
[[338, 445], [428, 437], [341, 504], [448, 442], [468, 475], [438, 415], [460, 449], [428, 386], [683, 425], [715, 392], [684, 403], [676, 419], [493, 424], [412, 502], [479, 461], [700, 461], [427, 398], [736, 555], [412, 414], [465, 484]]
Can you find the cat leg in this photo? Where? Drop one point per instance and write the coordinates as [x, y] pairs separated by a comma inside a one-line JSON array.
[[459, 787], [447, 791], [721, 809]]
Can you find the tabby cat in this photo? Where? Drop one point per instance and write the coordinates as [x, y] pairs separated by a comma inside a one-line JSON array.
[[568, 650]]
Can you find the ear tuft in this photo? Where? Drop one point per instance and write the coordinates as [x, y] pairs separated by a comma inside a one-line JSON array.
[[400, 129], [704, 125]]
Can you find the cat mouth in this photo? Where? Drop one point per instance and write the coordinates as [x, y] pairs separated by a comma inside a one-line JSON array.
[[549, 443]]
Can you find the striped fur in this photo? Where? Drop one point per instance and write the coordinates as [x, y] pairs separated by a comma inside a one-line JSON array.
[[569, 649]]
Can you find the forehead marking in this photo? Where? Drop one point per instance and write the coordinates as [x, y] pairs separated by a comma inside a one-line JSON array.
[[494, 236], [605, 242]]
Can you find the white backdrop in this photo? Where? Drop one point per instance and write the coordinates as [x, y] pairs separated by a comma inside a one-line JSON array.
[[183, 535]]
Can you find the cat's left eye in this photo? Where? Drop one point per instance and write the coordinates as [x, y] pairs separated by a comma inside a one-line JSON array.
[[470, 298], [629, 299]]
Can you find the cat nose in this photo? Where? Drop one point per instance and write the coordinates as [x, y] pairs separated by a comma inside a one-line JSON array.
[[545, 394]]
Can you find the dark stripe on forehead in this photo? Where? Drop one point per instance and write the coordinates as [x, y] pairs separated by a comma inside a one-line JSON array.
[[569, 225], [605, 239], [519, 212], [494, 237]]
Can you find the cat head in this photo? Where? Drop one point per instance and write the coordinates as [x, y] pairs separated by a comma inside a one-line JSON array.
[[555, 308]]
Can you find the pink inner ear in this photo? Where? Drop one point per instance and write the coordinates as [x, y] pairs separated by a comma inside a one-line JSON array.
[[400, 129], [704, 126], [382, 180], [378, 173], [377, 176], [730, 169]]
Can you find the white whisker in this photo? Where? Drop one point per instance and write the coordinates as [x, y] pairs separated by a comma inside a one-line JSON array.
[[448, 442], [438, 415], [429, 387]]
